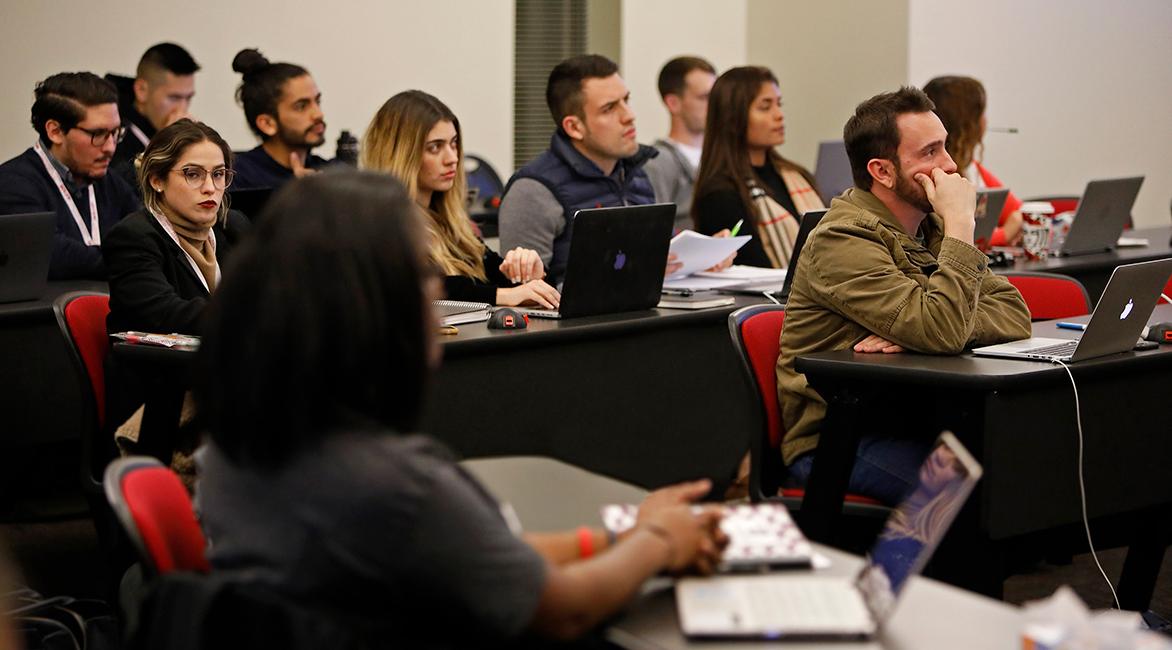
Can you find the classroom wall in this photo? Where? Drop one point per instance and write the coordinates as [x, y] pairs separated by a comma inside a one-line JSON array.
[[656, 31], [360, 52], [1088, 84], [828, 56]]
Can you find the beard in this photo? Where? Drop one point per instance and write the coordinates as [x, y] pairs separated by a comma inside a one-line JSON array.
[[304, 138], [910, 191]]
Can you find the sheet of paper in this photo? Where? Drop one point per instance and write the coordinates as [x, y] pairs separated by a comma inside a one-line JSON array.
[[697, 283], [746, 274], [698, 252]]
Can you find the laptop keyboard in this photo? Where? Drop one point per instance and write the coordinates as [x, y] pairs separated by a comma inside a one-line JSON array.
[[804, 604], [1056, 350]]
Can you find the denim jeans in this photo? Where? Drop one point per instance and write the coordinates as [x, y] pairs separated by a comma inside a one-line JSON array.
[[885, 468]]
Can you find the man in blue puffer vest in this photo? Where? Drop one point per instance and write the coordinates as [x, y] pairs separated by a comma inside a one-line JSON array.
[[593, 161]]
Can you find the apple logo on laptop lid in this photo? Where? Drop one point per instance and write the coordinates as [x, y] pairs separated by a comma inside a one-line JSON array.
[[620, 261], [1127, 309]]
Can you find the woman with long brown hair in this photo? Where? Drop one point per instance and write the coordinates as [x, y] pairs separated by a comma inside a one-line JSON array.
[[743, 177], [960, 104], [417, 138]]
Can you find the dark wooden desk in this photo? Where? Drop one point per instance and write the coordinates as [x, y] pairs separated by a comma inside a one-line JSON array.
[[40, 401], [648, 397], [1018, 419], [1094, 270]]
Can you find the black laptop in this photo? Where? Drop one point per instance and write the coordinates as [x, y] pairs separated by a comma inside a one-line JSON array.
[[26, 244], [617, 260], [832, 171], [810, 220]]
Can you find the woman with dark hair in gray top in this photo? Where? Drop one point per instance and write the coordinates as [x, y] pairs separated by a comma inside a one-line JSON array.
[[311, 374]]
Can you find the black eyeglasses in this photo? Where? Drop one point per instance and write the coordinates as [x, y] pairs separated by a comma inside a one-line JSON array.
[[98, 137], [221, 176]]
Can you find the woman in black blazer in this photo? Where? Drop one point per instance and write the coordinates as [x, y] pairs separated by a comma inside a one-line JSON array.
[[165, 260]]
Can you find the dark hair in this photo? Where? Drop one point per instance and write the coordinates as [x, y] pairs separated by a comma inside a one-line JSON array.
[[960, 103], [166, 56], [65, 96], [872, 132], [724, 161], [164, 151], [261, 85], [318, 325], [673, 76], [563, 91]]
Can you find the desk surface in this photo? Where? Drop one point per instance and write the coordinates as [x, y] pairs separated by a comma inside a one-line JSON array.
[[1094, 270], [1158, 247], [476, 338], [967, 370], [930, 615]]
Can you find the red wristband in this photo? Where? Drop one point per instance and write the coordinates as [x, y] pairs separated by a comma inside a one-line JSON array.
[[585, 542]]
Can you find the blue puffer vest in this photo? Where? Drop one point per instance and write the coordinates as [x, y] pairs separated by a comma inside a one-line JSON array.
[[578, 184]]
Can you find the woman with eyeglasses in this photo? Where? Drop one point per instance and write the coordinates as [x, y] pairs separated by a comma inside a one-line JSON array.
[[165, 260]]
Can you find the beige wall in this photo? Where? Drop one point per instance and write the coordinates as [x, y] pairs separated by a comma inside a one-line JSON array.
[[1087, 83], [655, 31], [360, 52], [828, 57]]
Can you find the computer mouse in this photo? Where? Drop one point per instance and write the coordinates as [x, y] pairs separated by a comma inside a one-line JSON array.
[[507, 319]]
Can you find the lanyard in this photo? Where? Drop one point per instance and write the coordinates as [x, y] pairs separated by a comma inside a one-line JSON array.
[[138, 133], [175, 238], [91, 236]]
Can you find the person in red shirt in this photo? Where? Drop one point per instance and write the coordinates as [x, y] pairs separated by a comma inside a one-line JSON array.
[[960, 104]]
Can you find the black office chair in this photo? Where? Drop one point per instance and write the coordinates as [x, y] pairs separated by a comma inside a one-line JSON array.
[[485, 190]]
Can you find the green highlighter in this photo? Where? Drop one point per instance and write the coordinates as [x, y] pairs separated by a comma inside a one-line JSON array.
[[736, 229]]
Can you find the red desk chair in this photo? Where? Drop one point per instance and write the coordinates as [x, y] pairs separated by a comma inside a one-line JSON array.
[[1050, 295], [81, 317], [756, 334], [153, 507]]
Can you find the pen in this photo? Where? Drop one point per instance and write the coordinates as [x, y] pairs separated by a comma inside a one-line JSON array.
[[1072, 326], [736, 228], [448, 330]]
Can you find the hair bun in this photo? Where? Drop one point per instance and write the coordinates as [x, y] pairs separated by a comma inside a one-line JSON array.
[[248, 61]]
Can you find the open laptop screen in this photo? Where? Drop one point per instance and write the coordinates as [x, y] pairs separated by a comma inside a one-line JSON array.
[[918, 523]]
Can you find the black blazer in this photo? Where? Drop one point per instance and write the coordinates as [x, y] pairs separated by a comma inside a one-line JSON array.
[[152, 285]]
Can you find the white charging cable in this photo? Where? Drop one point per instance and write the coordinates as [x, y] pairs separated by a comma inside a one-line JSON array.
[[1082, 488], [778, 302]]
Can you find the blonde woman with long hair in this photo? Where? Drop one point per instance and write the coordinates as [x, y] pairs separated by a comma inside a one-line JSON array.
[[417, 138]]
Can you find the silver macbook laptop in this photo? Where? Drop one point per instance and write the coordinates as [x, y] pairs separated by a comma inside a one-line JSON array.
[[1103, 212], [26, 245], [1116, 323], [617, 259], [832, 171], [796, 606], [990, 202]]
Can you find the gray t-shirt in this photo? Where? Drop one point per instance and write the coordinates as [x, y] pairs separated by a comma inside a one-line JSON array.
[[379, 526]]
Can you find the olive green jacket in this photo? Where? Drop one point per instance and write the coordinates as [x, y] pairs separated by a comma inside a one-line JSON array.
[[861, 274]]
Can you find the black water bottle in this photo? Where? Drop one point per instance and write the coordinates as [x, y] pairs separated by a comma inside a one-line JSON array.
[[347, 151]]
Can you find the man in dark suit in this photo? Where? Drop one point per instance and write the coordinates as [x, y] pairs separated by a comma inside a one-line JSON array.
[[76, 118], [164, 85]]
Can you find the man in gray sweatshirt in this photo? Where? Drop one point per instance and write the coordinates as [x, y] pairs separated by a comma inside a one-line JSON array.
[[684, 84]]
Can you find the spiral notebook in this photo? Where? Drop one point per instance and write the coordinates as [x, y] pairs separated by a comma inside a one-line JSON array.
[[458, 312]]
